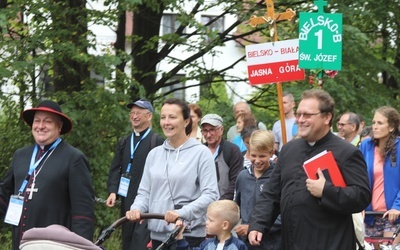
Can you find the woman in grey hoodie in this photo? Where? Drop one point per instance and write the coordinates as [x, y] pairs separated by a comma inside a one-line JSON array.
[[179, 179]]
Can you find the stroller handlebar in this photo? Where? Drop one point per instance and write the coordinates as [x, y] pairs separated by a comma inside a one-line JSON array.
[[170, 237], [105, 234], [144, 216]]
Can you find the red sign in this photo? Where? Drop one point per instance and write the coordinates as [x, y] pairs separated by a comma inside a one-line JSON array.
[[274, 62]]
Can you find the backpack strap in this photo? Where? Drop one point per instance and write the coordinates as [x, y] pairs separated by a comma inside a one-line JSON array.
[[153, 141], [226, 152]]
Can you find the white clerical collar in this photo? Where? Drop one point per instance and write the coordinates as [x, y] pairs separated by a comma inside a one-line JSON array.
[[141, 133], [311, 143]]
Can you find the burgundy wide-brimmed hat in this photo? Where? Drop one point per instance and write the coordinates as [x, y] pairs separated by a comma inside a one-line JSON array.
[[48, 106]]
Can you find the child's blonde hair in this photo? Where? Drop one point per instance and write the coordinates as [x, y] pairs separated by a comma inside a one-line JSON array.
[[262, 140], [227, 210]]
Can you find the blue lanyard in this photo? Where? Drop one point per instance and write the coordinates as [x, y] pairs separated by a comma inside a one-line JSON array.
[[34, 164], [133, 149]]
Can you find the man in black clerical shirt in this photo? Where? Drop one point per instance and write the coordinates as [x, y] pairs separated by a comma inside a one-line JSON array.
[[58, 185], [126, 170], [315, 213]]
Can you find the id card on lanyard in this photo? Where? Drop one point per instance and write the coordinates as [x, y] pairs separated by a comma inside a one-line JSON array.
[[126, 178], [14, 210]]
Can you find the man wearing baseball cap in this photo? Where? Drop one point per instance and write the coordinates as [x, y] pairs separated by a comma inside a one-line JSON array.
[[48, 182], [227, 157], [126, 170]]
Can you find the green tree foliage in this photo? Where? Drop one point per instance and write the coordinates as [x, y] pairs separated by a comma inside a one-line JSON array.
[[58, 47], [45, 54], [370, 70], [217, 102], [201, 40], [100, 120]]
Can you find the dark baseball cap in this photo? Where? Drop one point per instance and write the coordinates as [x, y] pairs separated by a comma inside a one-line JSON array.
[[141, 103]]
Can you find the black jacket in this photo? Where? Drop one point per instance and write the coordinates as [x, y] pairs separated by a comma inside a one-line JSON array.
[[309, 222], [65, 193]]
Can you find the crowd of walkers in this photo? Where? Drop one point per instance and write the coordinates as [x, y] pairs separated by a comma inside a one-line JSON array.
[[246, 191]]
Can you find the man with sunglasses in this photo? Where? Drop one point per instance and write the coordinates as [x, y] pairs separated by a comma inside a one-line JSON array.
[[227, 156]]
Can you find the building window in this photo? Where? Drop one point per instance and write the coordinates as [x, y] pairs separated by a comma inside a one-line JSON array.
[[214, 25], [97, 78], [45, 81], [169, 24], [175, 87]]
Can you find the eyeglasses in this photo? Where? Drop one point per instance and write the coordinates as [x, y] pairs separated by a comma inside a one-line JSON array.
[[211, 130], [342, 124], [132, 113], [306, 115]]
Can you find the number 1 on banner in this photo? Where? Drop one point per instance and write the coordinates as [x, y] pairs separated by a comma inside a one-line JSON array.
[[319, 35]]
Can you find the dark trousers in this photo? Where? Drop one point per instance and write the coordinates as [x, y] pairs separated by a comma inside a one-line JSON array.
[[269, 242], [135, 236]]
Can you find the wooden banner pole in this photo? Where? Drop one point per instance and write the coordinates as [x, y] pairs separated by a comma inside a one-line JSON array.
[[272, 18]]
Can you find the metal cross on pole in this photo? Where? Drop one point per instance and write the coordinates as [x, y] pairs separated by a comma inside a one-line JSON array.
[[272, 18]]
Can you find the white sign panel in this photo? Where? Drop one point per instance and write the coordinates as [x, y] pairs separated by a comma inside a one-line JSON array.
[[274, 62]]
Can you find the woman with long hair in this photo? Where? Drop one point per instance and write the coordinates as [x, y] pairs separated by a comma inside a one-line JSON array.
[[196, 114], [382, 155]]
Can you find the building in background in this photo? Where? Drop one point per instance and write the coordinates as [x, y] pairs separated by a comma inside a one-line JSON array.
[[222, 58]]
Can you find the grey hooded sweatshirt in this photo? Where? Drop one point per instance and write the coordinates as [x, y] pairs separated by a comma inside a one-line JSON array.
[[182, 179]]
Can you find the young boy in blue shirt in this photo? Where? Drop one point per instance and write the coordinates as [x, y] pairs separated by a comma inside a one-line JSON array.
[[222, 217]]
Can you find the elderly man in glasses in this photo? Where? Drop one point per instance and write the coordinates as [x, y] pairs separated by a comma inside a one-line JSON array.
[[348, 125], [48, 182], [227, 156], [126, 170]]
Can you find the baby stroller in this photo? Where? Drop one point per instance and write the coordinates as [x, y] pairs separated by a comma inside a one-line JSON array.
[[384, 243], [57, 237]]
